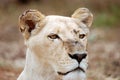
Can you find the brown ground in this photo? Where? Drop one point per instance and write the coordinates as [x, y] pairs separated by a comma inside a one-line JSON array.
[[9, 73]]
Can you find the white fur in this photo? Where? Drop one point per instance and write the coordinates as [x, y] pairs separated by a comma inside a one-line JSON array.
[[45, 57]]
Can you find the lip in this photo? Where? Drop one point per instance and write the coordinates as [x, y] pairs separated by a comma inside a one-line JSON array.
[[76, 69]]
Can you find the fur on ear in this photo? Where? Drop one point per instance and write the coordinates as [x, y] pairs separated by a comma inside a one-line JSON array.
[[28, 21], [84, 15]]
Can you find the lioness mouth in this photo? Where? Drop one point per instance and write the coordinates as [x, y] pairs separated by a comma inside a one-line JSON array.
[[76, 69]]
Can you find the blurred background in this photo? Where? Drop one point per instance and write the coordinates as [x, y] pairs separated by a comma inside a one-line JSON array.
[[104, 39]]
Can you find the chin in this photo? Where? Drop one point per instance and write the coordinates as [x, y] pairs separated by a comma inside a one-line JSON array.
[[76, 75]]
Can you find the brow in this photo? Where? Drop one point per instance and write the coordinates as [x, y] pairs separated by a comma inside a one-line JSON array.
[[75, 31]]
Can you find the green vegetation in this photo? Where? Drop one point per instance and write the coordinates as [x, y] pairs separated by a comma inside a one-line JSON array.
[[107, 19], [104, 19]]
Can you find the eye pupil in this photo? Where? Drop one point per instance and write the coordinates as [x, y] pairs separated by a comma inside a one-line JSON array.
[[53, 36], [81, 36]]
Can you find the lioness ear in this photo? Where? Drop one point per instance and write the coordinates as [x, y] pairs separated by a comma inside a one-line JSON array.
[[84, 15], [28, 21]]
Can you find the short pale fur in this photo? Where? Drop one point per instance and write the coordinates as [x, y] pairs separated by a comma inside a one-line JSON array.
[[45, 57]]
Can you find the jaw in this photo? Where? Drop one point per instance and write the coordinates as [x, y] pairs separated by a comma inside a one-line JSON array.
[[76, 75]]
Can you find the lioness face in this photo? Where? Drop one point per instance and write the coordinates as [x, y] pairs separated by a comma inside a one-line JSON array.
[[60, 41]]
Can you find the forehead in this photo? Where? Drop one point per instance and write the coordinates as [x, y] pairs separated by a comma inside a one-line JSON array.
[[61, 23]]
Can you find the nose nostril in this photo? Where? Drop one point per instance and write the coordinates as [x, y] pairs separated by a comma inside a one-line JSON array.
[[84, 56], [78, 57]]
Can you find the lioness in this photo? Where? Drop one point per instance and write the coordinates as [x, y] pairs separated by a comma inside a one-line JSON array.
[[56, 45]]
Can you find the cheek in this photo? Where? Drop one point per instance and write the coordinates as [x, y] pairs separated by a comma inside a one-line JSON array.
[[39, 46], [56, 51], [52, 48]]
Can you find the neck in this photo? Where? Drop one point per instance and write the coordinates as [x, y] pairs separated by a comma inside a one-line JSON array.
[[37, 69]]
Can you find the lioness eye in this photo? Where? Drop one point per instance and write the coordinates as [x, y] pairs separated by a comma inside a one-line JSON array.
[[53, 36], [81, 36]]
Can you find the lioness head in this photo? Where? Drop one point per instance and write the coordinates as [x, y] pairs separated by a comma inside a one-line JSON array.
[[58, 40]]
